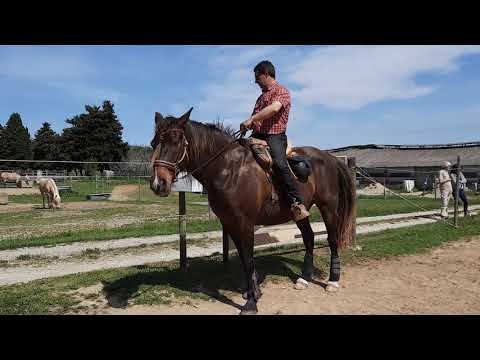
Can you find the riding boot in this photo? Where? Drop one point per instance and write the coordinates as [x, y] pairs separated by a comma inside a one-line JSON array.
[[299, 211]]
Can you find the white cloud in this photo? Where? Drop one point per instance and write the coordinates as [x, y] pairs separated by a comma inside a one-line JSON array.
[[342, 78], [350, 77]]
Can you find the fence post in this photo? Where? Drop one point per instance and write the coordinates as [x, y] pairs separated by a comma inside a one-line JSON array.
[[182, 224], [385, 184], [353, 168], [457, 187], [139, 196]]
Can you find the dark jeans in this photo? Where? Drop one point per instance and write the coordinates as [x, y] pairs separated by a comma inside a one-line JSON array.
[[278, 147], [463, 197]]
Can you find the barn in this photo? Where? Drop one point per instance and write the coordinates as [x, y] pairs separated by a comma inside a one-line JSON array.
[[397, 163]]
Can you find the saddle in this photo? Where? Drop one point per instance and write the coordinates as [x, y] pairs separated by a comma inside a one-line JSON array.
[[299, 165]]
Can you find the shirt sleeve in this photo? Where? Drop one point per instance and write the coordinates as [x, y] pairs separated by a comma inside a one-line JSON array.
[[283, 97]]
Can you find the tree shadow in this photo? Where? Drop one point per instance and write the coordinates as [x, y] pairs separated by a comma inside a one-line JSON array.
[[207, 276]]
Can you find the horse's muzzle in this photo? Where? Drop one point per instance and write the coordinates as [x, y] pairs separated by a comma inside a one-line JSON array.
[[160, 186]]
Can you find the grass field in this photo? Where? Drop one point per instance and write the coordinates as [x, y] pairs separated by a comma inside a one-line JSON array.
[[159, 283], [140, 219]]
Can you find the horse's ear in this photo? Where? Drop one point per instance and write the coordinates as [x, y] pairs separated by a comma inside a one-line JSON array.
[[185, 117], [158, 118]]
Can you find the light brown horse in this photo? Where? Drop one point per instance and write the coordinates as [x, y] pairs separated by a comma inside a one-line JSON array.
[[49, 189], [13, 177], [240, 194]]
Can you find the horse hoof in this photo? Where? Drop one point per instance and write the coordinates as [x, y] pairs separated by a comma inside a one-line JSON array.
[[245, 296], [248, 312], [332, 287], [301, 284]]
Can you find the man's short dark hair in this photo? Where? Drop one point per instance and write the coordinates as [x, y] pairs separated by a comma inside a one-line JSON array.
[[266, 68]]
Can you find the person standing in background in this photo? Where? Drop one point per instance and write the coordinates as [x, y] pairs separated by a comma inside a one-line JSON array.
[[462, 183], [445, 184]]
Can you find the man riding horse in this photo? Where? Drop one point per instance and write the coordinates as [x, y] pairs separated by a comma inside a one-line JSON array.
[[269, 122]]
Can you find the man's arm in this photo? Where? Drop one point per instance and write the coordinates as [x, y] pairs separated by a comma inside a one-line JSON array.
[[266, 113]]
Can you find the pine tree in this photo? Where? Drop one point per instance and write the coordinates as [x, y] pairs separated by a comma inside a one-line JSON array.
[[16, 141], [45, 147], [2, 143], [94, 136]]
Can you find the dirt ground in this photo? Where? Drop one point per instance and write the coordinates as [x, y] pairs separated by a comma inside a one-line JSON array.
[[124, 192], [444, 281], [80, 205], [19, 191]]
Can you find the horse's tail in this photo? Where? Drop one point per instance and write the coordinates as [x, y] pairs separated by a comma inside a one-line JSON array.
[[346, 208]]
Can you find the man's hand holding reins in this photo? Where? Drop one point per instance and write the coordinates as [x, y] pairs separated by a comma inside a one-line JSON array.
[[246, 125]]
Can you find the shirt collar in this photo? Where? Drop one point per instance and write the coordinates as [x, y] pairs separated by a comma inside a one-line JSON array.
[[272, 85]]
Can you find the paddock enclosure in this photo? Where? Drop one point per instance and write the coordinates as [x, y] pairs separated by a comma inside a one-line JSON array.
[[109, 217]]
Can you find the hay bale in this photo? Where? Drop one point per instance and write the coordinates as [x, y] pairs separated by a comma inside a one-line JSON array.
[[3, 199]]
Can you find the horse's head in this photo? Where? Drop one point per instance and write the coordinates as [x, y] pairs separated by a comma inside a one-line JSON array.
[[56, 201], [169, 151]]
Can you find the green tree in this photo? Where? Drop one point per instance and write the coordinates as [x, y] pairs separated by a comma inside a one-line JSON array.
[[16, 142], [2, 143], [94, 136], [46, 147]]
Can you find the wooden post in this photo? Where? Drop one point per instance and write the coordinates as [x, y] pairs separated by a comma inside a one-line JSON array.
[[457, 188], [182, 229], [353, 168], [96, 183], [139, 197], [384, 184], [226, 240]]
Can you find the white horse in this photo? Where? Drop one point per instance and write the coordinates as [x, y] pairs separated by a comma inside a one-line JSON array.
[[108, 173], [49, 188], [7, 176]]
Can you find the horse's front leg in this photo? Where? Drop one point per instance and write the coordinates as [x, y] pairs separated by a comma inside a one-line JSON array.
[[43, 200], [243, 239]]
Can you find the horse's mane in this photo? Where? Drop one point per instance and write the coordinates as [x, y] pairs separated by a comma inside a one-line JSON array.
[[205, 137]]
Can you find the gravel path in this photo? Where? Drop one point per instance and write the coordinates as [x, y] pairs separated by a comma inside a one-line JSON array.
[[63, 267]]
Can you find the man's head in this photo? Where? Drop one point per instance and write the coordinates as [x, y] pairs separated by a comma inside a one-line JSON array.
[[264, 74], [447, 165]]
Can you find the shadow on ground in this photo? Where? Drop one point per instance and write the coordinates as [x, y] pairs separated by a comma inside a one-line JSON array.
[[204, 276]]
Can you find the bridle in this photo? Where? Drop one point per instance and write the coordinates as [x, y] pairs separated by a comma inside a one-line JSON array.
[[171, 166]]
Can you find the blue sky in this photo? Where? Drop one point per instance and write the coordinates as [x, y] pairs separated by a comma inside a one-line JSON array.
[[341, 95]]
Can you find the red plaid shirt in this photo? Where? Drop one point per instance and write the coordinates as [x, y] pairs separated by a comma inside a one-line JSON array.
[[278, 123]]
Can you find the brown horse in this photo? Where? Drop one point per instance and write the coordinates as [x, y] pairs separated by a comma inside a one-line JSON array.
[[240, 194]]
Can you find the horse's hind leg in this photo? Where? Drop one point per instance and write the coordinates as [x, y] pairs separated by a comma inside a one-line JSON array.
[[308, 240], [331, 223]]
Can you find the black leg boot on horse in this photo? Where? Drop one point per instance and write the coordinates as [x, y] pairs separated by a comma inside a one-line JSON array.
[[307, 268]]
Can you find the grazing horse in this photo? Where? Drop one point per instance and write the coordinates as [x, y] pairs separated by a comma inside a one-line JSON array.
[[49, 188], [13, 177], [240, 193]]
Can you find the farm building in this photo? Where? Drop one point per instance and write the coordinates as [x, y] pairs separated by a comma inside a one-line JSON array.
[[412, 162]]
